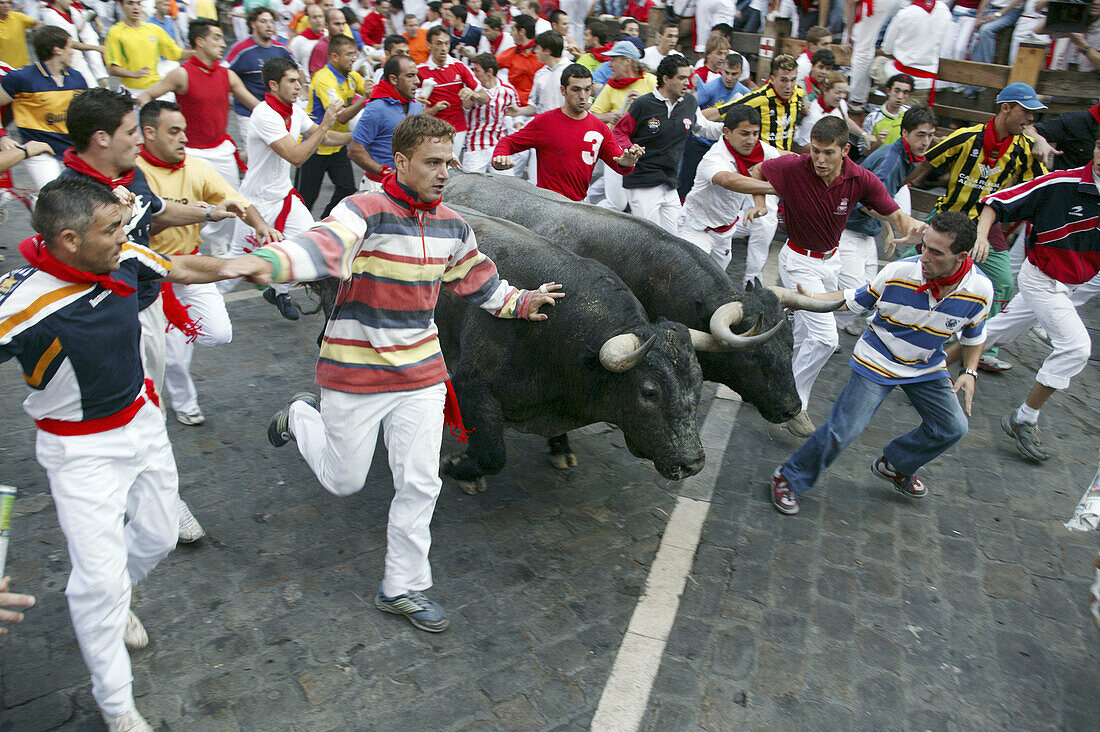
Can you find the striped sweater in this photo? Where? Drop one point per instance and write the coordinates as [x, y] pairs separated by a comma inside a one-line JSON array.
[[391, 260]]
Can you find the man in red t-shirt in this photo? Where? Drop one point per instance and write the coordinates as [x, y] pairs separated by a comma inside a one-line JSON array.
[[521, 62], [568, 141], [452, 84], [820, 190]]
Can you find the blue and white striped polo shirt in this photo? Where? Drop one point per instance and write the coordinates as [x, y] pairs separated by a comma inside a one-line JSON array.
[[904, 342]]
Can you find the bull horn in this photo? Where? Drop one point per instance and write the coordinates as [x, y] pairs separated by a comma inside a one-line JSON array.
[[721, 329], [797, 301], [624, 352]]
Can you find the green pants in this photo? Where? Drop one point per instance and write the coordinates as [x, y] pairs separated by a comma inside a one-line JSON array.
[[999, 270]]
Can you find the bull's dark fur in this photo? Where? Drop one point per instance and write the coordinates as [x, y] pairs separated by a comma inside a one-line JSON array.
[[545, 377], [672, 278]]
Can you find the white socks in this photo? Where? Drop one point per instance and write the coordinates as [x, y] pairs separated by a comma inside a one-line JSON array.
[[1026, 414]]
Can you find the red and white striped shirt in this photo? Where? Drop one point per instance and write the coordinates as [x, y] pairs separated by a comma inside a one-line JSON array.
[[486, 122]]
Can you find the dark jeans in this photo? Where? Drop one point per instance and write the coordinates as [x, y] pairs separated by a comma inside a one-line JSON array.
[[943, 425], [312, 173], [693, 153]]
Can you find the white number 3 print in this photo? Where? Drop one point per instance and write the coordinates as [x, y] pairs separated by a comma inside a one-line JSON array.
[[594, 138]]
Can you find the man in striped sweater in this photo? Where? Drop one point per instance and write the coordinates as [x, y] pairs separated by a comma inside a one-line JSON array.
[[380, 362]]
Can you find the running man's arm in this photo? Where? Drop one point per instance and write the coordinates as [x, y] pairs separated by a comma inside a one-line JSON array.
[[175, 82], [240, 91], [195, 269], [297, 153]]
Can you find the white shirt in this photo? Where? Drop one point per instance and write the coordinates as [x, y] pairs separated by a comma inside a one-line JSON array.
[[477, 19], [914, 38], [709, 205], [542, 25], [816, 112], [268, 176], [546, 88], [805, 66], [301, 48], [652, 57]]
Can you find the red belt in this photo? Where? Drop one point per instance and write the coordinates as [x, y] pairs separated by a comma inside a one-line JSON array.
[[920, 74], [722, 229], [121, 418], [810, 253]]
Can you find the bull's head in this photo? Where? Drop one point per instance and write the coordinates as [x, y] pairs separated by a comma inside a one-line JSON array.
[[655, 386]]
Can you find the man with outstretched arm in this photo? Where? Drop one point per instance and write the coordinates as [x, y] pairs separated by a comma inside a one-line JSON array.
[[919, 303], [380, 363]]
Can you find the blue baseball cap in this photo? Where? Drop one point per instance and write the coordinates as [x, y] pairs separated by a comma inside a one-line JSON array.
[[625, 48], [1021, 94]]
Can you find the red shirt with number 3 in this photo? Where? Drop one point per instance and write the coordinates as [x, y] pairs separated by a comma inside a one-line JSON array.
[[567, 150]]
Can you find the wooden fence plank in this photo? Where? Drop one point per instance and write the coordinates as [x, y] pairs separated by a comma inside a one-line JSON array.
[[970, 115], [1069, 84], [972, 72]]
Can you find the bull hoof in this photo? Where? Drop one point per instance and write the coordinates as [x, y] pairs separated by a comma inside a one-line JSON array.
[[469, 487], [563, 461], [482, 484]]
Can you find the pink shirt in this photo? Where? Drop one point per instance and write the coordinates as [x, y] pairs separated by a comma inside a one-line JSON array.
[[816, 215]]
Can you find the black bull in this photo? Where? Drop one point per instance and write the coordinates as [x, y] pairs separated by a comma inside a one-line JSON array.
[[556, 375], [672, 279]]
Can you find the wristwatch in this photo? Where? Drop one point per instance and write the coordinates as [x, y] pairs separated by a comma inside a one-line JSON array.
[[972, 372]]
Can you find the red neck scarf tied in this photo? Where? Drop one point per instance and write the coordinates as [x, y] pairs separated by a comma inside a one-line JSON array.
[[994, 147], [599, 52], [934, 286], [1095, 112], [76, 163], [35, 252], [385, 90], [393, 187], [926, 5], [622, 83], [283, 110], [157, 162], [311, 34], [913, 160], [745, 163]]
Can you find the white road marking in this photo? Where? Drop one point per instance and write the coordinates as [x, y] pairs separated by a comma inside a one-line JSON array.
[[625, 697]]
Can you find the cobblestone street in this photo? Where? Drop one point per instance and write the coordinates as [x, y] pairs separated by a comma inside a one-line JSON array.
[[864, 612]]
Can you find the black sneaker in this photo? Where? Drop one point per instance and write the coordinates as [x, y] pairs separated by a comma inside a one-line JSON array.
[[1029, 441], [282, 301], [423, 613], [907, 485], [278, 429], [783, 498]]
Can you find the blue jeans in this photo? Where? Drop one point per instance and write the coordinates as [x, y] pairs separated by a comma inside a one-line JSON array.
[[986, 45], [943, 425]]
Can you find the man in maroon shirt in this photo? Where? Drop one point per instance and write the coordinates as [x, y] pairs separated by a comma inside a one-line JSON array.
[[568, 141], [820, 189]]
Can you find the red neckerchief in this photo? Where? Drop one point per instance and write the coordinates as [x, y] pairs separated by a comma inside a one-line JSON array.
[[1095, 112], [926, 5], [63, 13], [992, 146], [283, 110], [745, 163], [35, 252], [525, 47], [311, 34], [812, 86], [385, 90], [954, 279], [599, 51], [909, 153], [395, 189], [194, 61], [622, 83], [74, 162], [494, 45], [157, 162], [820, 101]]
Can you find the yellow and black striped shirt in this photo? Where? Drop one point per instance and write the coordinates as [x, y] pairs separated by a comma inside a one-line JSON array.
[[970, 177], [778, 119]]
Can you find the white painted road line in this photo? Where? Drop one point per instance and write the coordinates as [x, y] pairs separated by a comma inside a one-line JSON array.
[[626, 695], [246, 294]]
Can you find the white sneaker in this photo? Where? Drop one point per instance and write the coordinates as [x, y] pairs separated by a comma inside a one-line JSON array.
[[190, 528], [1041, 333], [800, 425], [854, 328], [135, 639], [993, 364], [131, 721], [192, 419]]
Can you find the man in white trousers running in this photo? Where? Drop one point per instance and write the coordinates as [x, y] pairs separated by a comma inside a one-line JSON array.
[[380, 364], [101, 438], [865, 19]]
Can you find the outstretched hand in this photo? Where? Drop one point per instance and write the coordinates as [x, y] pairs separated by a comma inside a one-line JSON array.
[[12, 599], [965, 383], [547, 294], [254, 269]]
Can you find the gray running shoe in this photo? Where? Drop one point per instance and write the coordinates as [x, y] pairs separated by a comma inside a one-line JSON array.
[[1029, 441], [278, 429], [423, 613]]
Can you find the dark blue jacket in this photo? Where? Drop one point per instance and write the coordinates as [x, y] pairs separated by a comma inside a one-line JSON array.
[[890, 164]]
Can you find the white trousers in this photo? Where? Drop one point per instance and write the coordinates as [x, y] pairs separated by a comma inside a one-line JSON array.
[[458, 143], [218, 233], [659, 204], [97, 481], [614, 195], [1046, 300], [298, 220], [714, 243], [479, 161], [761, 232], [864, 37], [858, 256], [338, 444], [42, 169], [815, 334], [154, 344], [207, 309]]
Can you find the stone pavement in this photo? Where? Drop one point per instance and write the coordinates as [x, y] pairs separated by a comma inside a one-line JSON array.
[[865, 611]]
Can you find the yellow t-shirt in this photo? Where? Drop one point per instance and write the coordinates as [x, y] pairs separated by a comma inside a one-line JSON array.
[[614, 100], [345, 87], [206, 9], [195, 182], [133, 48], [13, 39]]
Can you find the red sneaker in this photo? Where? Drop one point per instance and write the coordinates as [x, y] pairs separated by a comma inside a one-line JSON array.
[[783, 498], [909, 485]]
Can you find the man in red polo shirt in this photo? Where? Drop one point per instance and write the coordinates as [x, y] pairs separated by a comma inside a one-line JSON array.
[[820, 189], [454, 84], [521, 62]]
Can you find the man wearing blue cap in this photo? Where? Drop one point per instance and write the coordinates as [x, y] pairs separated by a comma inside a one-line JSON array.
[[981, 160]]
